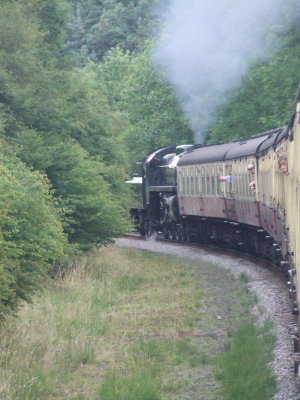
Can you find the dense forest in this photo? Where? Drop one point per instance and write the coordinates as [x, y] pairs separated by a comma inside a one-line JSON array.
[[80, 101]]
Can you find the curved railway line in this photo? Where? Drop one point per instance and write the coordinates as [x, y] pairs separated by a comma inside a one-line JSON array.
[[267, 282], [217, 249], [244, 194]]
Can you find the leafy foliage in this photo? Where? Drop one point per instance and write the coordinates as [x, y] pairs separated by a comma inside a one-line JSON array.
[[58, 149], [98, 26], [152, 108], [69, 134], [93, 214], [143, 101], [44, 107], [51, 17], [31, 233]]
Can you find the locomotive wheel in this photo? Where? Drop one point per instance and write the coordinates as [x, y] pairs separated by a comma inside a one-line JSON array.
[[186, 235], [148, 229], [166, 232], [173, 231], [142, 228], [179, 233]]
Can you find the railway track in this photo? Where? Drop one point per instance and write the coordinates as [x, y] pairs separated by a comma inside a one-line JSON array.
[[267, 281], [219, 250], [214, 248]]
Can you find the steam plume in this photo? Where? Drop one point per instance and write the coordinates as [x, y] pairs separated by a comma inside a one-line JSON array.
[[206, 47]]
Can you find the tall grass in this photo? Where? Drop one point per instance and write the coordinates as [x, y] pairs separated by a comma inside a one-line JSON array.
[[101, 304], [244, 365], [123, 325], [140, 384], [143, 378]]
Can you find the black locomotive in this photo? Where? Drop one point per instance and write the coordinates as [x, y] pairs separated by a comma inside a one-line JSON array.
[[155, 207]]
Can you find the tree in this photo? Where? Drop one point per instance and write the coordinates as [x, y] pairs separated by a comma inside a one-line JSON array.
[[94, 212], [51, 17], [93, 195], [110, 23], [147, 107], [55, 112], [265, 99], [31, 233]]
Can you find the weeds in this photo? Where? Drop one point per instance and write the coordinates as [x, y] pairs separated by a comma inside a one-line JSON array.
[[175, 351], [245, 278], [244, 369], [140, 384], [125, 325]]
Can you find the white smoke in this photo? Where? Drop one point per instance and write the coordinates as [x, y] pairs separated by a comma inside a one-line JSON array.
[[206, 47]]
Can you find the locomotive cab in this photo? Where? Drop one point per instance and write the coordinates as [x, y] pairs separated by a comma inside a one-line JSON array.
[[157, 206], [137, 204]]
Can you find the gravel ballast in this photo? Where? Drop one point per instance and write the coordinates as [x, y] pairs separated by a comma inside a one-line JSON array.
[[273, 302]]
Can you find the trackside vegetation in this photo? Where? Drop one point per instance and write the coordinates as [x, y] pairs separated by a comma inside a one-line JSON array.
[[62, 168], [31, 234], [242, 364], [80, 102], [120, 324], [69, 130]]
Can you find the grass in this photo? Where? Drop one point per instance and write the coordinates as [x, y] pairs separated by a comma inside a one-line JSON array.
[[139, 384], [176, 351], [244, 365], [123, 324], [245, 277]]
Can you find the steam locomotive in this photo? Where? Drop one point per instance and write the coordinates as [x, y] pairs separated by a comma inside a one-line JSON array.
[[244, 194]]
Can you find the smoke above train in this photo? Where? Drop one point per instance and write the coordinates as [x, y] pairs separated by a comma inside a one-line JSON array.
[[205, 48]]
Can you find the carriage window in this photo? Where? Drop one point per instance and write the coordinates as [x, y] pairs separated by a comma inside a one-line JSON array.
[[192, 185], [237, 183], [203, 186], [219, 172], [218, 189], [208, 181], [246, 185], [183, 182], [213, 180], [244, 191], [196, 181], [218, 183], [213, 185], [188, 182], [228, 186]]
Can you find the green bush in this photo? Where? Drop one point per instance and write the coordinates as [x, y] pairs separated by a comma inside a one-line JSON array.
[[244, 365], [31, 234], [94, 212]]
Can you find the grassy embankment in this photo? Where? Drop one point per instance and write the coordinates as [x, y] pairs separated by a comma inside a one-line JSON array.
[[126, 325]]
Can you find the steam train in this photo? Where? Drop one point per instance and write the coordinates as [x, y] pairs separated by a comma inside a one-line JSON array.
[[244, 194]]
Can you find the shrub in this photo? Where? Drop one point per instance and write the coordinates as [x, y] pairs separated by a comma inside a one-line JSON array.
[[31, 234]]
